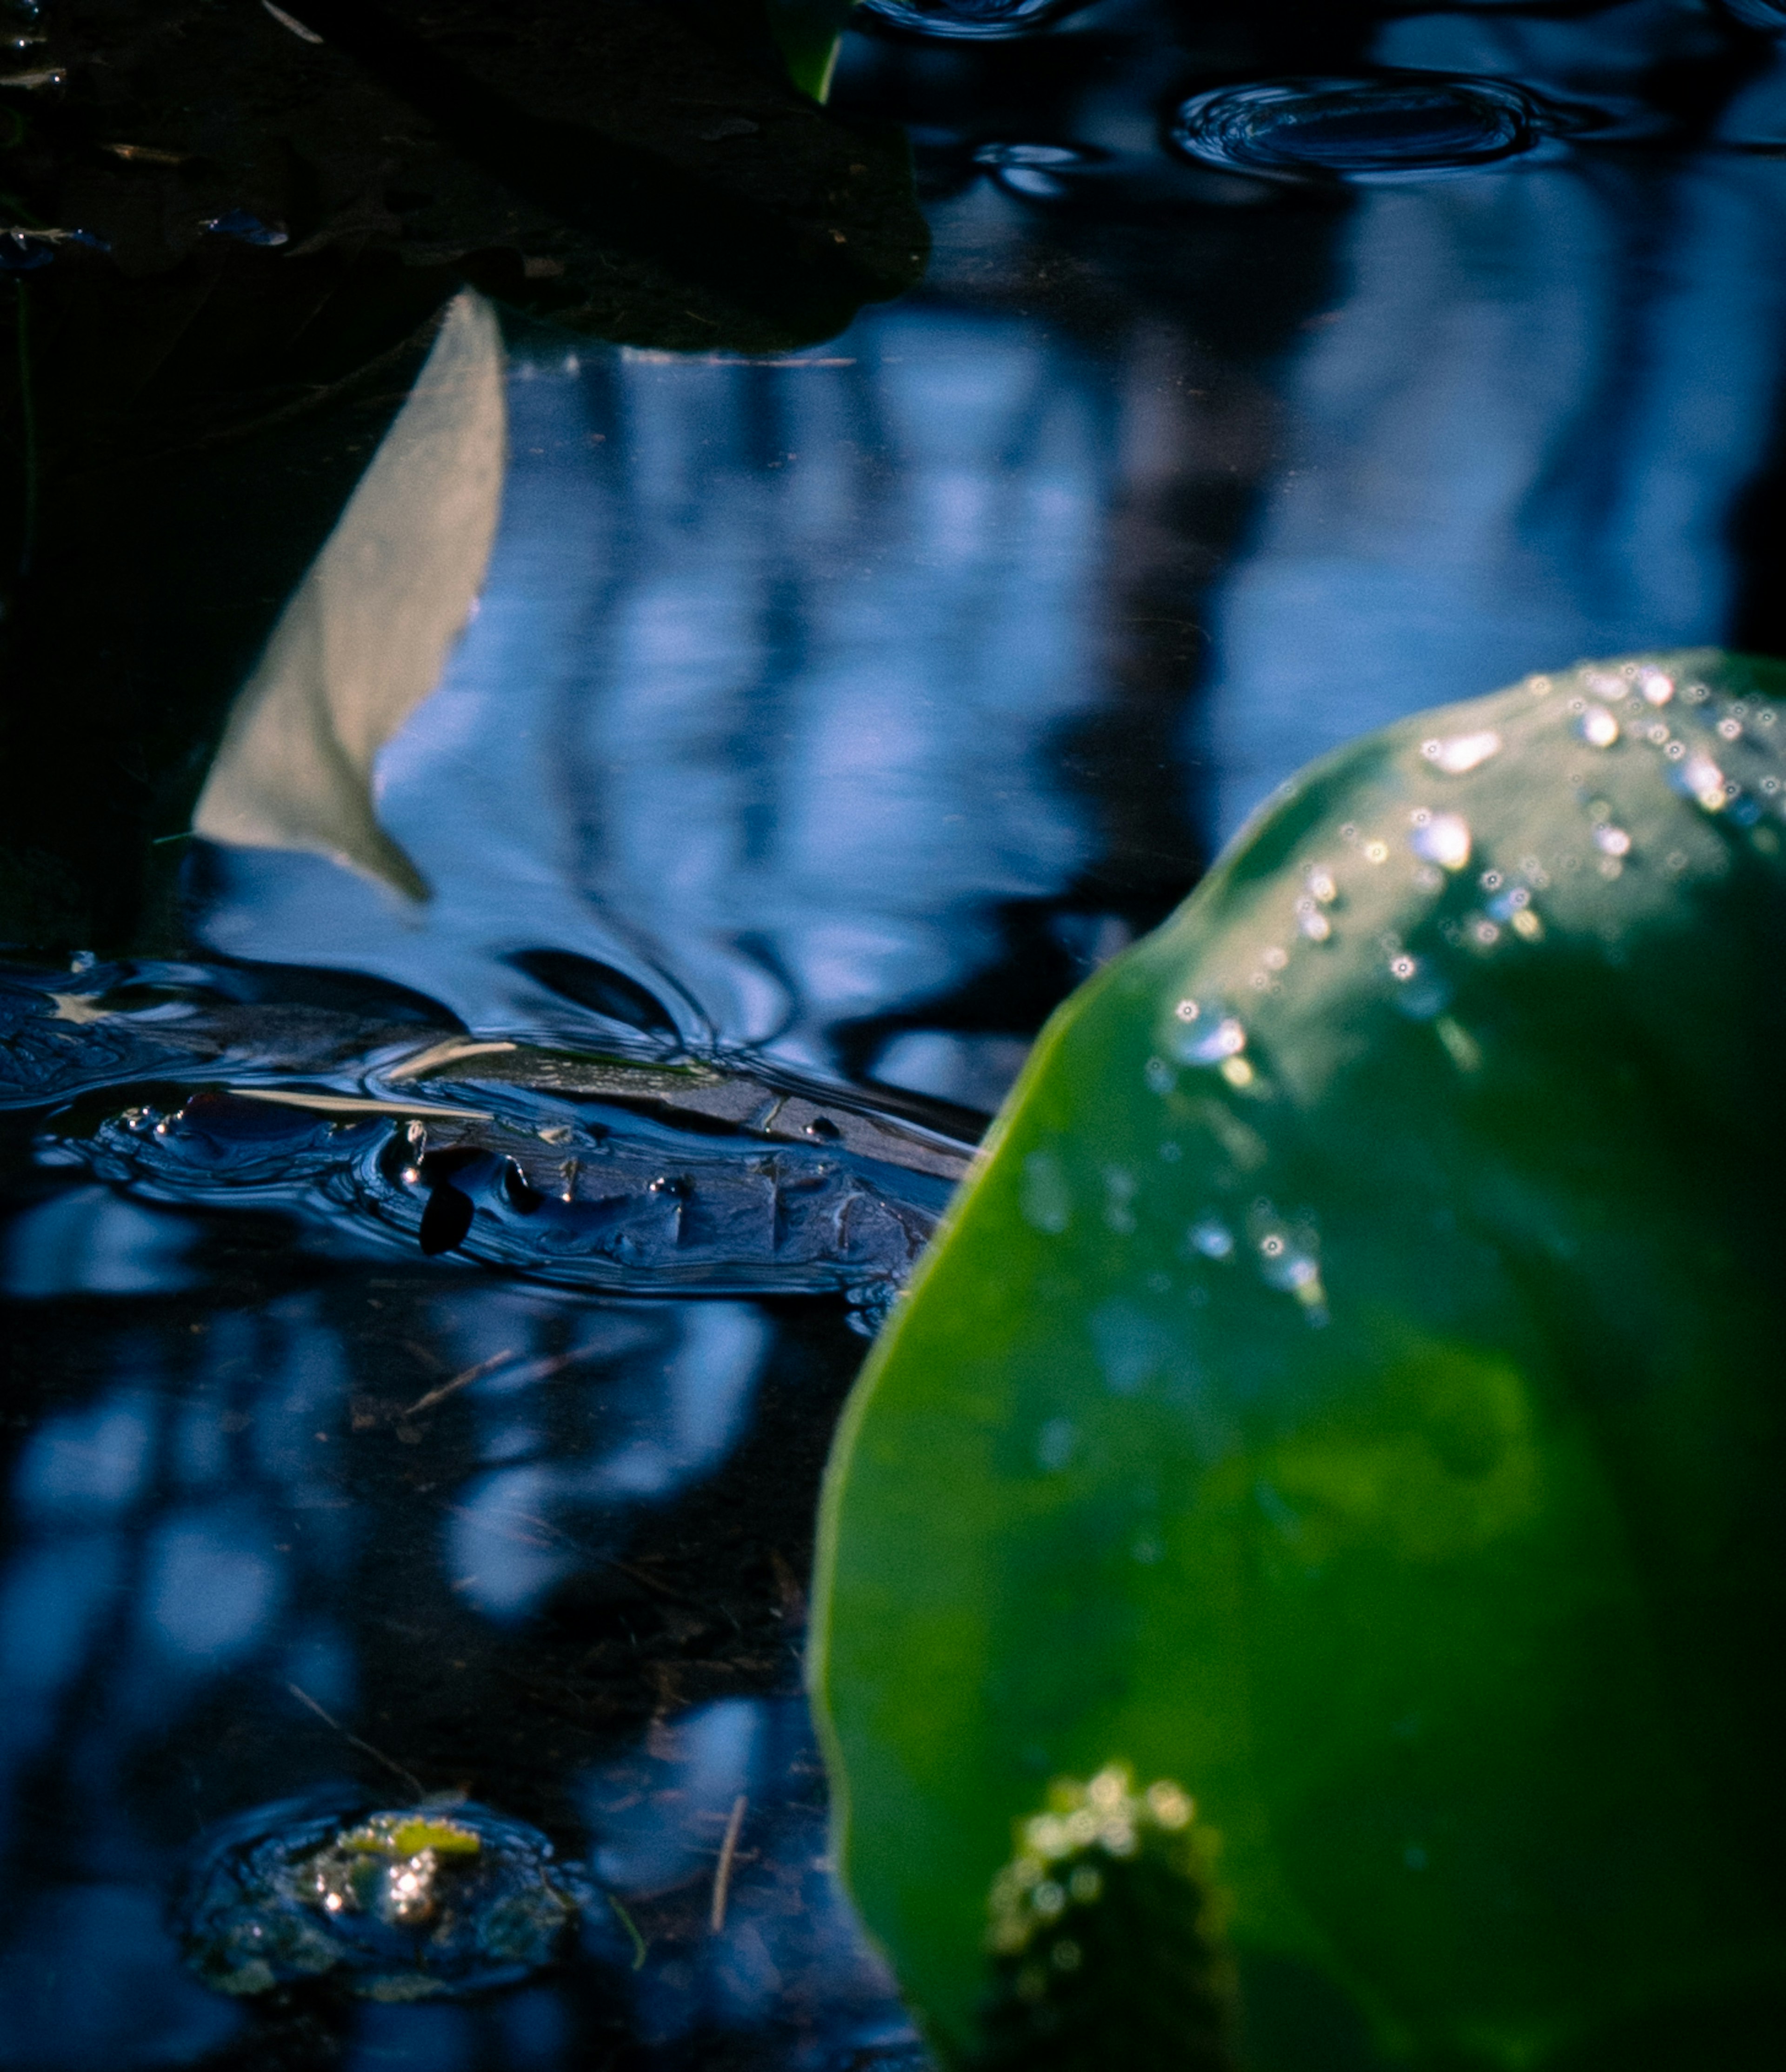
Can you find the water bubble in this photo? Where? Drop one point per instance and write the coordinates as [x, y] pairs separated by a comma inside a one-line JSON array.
[[1464, 1051], [1443, 839], [1315, 926], [1212, 1238], [1703, 781], [1119, 1187], [1599, 729], [1730, 729], [1612, 841], [1656, 687], [982, 18], [1463, 752], [1054, 1443], [1159, 1075], [1376, 852], [1357, 129], [1044, 1198], [1322, 886], [1227, 1039]]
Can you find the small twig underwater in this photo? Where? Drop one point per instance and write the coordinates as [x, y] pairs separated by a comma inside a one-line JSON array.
[[463, 1380], [366, 1748], [631, 1927], [722, 1870]]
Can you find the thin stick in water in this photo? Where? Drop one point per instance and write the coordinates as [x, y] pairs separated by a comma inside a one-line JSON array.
[[631, 1927], [458, 1381], [722, 1870], [365, 1748]]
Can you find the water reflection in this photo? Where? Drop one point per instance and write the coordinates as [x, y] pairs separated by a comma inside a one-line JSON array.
[[755, 709], [846, 706], [1525, 429], [255, 1549]]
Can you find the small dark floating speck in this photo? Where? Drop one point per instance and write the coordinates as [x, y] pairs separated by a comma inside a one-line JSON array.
[[1358, 128], [395, 1906]]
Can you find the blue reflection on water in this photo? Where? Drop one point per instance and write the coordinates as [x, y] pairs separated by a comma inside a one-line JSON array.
[[762, 710], [659, 1818], [94, 1980], [198, 1536], [756, 706], [1520, 436]]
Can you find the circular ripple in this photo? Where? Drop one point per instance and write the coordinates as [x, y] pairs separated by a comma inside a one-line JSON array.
[[984, 18], [1357, 129], [401, 1905]]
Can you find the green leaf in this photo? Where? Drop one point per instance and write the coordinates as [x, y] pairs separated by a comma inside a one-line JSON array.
[[1352, 1387], [808, 34]]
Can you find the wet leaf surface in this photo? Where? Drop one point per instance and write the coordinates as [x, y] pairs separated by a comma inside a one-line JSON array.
[[1349, 1389]]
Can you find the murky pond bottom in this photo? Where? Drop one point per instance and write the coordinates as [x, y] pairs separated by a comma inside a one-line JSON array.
[[426, 1317]]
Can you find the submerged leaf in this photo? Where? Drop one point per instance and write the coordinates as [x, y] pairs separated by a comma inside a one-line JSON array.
[[1352, 1387]]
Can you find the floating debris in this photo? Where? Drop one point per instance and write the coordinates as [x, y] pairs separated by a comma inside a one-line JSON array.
[[397, 1905], [301, 30], [244, 228], [24, 248], [646, 1175]]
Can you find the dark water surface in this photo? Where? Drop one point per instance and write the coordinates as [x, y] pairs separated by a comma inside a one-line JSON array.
[[825, 717]]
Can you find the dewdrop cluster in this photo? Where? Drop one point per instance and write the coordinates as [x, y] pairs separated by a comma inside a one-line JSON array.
[[1105, 1943], [1058, 1866]]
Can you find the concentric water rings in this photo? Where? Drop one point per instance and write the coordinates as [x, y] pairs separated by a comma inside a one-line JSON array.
[[1408, 125], [986, 20]]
